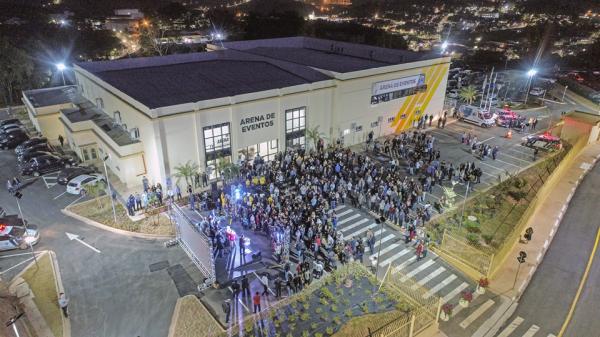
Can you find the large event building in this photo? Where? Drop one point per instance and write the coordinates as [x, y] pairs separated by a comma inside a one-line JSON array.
[[150, 115]]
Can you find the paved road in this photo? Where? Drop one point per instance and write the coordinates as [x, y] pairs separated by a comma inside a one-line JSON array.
[[112, 293], [545, 303]]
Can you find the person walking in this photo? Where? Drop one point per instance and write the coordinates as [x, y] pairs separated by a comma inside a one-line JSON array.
[[235, 288], [494, 152], [227, 310], [419, 251], [61, 140], [265, 282], [242, 241], [63, 303], [256, 302], [245, 286]]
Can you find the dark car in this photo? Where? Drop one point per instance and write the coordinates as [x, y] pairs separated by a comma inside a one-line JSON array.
[[27, 156], [11, 140], [10, 127], [9, 121], [35, 148], [30, 142], [66, 174], [43, 164]]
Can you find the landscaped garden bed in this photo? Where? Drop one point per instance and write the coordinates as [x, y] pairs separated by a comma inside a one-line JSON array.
[[328, 304], [490, 217]]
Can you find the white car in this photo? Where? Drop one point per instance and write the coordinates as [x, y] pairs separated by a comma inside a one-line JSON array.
[[536, 91], [77, 185]]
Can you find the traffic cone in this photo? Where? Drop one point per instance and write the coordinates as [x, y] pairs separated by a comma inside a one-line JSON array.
[[509, 134]]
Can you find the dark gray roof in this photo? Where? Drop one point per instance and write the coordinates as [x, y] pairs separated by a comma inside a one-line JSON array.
[[48, 96], [330, 55], [178, 79]]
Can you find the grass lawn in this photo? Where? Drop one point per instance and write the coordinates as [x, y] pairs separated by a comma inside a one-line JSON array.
[[100, 211], [42, 283], [194, 320]]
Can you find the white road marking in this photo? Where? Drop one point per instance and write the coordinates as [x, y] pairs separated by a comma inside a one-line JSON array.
[[455, 292], [428, 278], [532, 331], [362, 230], [74, 201], [511, 327], [505, 162], [344, 213], [417, 270], [394, 257], [513, 157], [16, 265], [354, 225], [78, 239], [483, 141], [341, 222], [387, 249], [399, 267], [476, 314], [492, 166], [340, 207], [19, 254], [60, 195]]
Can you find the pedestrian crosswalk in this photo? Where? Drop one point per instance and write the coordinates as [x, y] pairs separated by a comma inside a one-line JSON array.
[[391, 250], [519, 328]]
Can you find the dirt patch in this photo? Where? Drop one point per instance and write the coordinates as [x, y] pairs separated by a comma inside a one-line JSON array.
[[193, 320], [100, 210], [42, 282]]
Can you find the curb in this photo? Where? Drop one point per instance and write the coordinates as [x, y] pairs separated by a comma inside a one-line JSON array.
[[115, 230], [60, 289]]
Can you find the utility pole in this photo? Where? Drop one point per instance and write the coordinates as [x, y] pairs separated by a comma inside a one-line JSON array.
[[112, 201]]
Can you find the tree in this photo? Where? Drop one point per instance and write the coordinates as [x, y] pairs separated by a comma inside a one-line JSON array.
[[16, 69], [273, 25], [186, 171], [153, 40], [95, 191], [468, 94], [227, 169], [314, 135]]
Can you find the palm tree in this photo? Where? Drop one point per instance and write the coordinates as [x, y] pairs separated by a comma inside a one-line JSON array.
[[186, 171], [468, 94], [314, 135], [228, 169], [96, 190]]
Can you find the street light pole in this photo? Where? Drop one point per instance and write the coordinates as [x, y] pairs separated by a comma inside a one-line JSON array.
[[564, 93], [381, 220], [531, 73], [61, 67], [112, 201], [462, 213], [18, 196]]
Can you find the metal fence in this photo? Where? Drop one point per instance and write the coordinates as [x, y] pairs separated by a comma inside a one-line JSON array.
[[195, 244]]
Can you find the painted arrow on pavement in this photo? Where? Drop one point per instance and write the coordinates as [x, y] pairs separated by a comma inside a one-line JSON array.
[[78, 239]]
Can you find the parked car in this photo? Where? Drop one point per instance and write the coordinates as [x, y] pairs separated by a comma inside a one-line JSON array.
[[43, 164], [27, 156], [66, 174], [13, 139], [78, 184], [13, 237], [11, 128], [544, 141], [475, 115], [30, 142], [506, 116], [43, 147], [9, 121], [537, 91]]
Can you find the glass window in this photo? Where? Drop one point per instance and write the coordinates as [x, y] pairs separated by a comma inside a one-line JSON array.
[[208, 133], [86, 156], [94, 154], [295, 125], [217, 146]]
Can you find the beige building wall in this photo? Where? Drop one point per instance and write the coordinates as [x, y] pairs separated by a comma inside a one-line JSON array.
[[46, 119]]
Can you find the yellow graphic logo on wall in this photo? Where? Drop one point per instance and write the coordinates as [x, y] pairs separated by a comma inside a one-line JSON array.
[[413, 106]]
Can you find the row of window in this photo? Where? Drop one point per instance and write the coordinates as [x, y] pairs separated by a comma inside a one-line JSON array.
[[397, 94]]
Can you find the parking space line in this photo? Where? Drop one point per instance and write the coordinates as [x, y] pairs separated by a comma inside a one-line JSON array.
[[513, 157], [19, 254], [502, 161], [483, 141], [442, 134], [60, 195], [16, 265], [492, 166], [74, 201]]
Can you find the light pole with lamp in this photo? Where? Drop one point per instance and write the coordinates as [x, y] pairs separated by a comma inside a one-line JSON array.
[[112, 201], [462, 213], [61, 67], [379, 221], [530, 74], [18, 195]]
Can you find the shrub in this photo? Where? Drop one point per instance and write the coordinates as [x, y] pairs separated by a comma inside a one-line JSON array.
[[473, 238], [334, 308], [329, 330], [378, 299], [314, 326], [306, 306], [487, 238], [326, 293], [484, 282], [318, 334], [467, 295], [292, 318], [323, 301], [447, 309], [337, 320], [289, 334], [305, 333], [339, 291], [346, 301], [319, 310], [325, 317], [517, 195], [305, 316], [364, 307], [348, 313], [249, 328], [473, 227]]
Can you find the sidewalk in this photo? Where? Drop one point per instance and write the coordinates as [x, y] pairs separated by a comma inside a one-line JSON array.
[[512, 280]]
